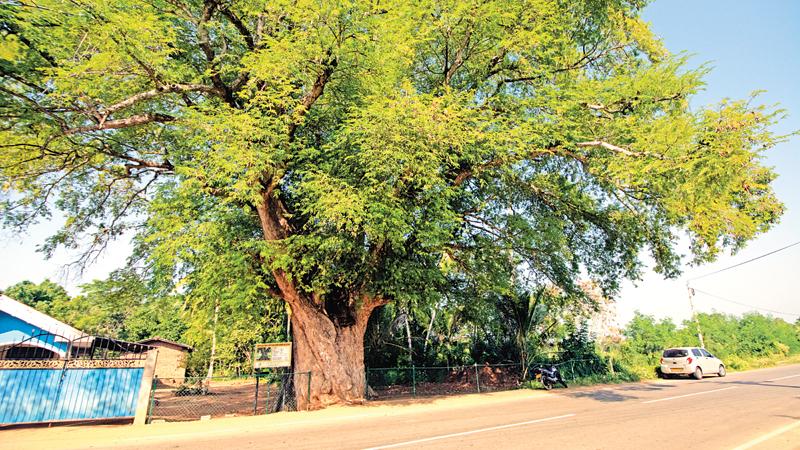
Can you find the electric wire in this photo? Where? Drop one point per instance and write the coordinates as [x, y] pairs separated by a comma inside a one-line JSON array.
[[745, 262], [744, 304], [738, 265]]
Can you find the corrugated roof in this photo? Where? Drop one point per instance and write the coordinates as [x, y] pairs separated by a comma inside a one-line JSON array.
[[166, 341], [38, 319]]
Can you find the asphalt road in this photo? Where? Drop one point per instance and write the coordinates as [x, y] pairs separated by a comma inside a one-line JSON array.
[[757, 409]]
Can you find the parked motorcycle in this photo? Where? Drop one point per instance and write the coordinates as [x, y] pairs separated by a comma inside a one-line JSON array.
[[549, 377]]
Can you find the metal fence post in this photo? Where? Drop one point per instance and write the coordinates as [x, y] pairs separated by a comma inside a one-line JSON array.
[[269, 385], [477, 378], [152, 400], [414, 380], [308, 393], [255, 401]]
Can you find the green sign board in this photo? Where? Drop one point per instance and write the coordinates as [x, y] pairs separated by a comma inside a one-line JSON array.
[[277, 354]]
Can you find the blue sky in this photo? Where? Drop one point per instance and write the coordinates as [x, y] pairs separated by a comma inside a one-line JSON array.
[[751, 45]]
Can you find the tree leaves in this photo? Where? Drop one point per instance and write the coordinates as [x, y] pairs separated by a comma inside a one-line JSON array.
[[349, 145]]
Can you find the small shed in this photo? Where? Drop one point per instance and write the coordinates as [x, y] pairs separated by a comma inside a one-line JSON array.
[[171, 362]]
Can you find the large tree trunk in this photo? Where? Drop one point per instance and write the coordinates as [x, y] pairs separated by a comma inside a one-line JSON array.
[[331, 351], [327, 333]]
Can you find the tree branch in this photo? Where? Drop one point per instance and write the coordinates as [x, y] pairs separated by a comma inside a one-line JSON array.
[[607, 146], [583, 62], [248, 37], [121, 123], [205, 44], [164, 89], [459, 58], [12, 28], [316, 91], [623, 105], [467, 173]]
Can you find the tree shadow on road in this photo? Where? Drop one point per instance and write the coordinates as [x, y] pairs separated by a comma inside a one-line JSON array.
[[761, 383], [617, 394], [605, 395], [787, 417]]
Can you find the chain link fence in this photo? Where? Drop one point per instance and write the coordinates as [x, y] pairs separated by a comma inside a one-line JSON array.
[[399, 382], [578, 368], [185, 399], [386, 383]]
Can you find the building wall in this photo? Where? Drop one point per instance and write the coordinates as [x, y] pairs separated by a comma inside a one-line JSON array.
[[171, 364]]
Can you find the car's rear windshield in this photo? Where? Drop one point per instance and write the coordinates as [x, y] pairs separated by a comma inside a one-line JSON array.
[[675, 353]]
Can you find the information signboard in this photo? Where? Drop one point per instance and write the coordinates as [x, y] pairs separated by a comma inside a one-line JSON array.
[[277, 354]]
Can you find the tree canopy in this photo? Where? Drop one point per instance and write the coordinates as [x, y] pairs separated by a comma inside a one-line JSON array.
[[339, 155], [40, 296]]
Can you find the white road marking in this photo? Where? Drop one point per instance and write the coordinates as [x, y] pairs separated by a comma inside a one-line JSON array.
[[466, 433], [688, 395], [783, 378], [767, 436]]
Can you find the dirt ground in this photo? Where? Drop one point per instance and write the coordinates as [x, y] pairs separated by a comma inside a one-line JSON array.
[[162, 435], [221, 399], [238, 397]]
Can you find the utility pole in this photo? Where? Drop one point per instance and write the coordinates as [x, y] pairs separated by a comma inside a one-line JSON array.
[[694, 315]]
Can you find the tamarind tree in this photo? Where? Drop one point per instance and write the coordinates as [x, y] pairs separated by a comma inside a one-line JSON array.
[[339, 155]]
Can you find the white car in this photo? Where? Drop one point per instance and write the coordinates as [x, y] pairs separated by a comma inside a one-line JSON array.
[[692, 361]]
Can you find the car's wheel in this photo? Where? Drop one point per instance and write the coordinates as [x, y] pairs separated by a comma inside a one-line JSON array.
[[698, 374], [721, 371]]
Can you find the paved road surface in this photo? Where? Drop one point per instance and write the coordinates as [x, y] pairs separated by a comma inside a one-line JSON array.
[[757, 409]]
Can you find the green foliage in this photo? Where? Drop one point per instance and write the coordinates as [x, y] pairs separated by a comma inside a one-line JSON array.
[[580, 348], [162, 317], [122, 306], [752, 340], [645, 336], [454, 155], [751, 336], [196, 388], [42, 296], [557, 131]]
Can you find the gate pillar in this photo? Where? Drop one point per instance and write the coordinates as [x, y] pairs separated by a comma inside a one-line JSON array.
[[143, 402]]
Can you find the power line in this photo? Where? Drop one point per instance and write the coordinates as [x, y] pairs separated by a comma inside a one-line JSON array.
[[745, 262], [745, 304]]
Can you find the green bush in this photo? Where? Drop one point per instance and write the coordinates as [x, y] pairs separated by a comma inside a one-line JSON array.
[[187, 389], [746, 342]]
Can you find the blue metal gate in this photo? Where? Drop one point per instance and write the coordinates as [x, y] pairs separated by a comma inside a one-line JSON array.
[[51, 395], [97, 378]]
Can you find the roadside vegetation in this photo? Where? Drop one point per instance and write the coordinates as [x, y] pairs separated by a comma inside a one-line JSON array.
[[744, 342], [542, 327]]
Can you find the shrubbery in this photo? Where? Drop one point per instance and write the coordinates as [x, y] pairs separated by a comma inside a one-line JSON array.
[[745, 342]]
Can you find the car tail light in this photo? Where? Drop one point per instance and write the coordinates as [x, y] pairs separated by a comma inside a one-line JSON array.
[[689, 360]]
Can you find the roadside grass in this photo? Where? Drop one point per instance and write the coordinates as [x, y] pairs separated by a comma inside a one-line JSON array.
[[588, 380], [736, 364], [622, 377], [639, 373]]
